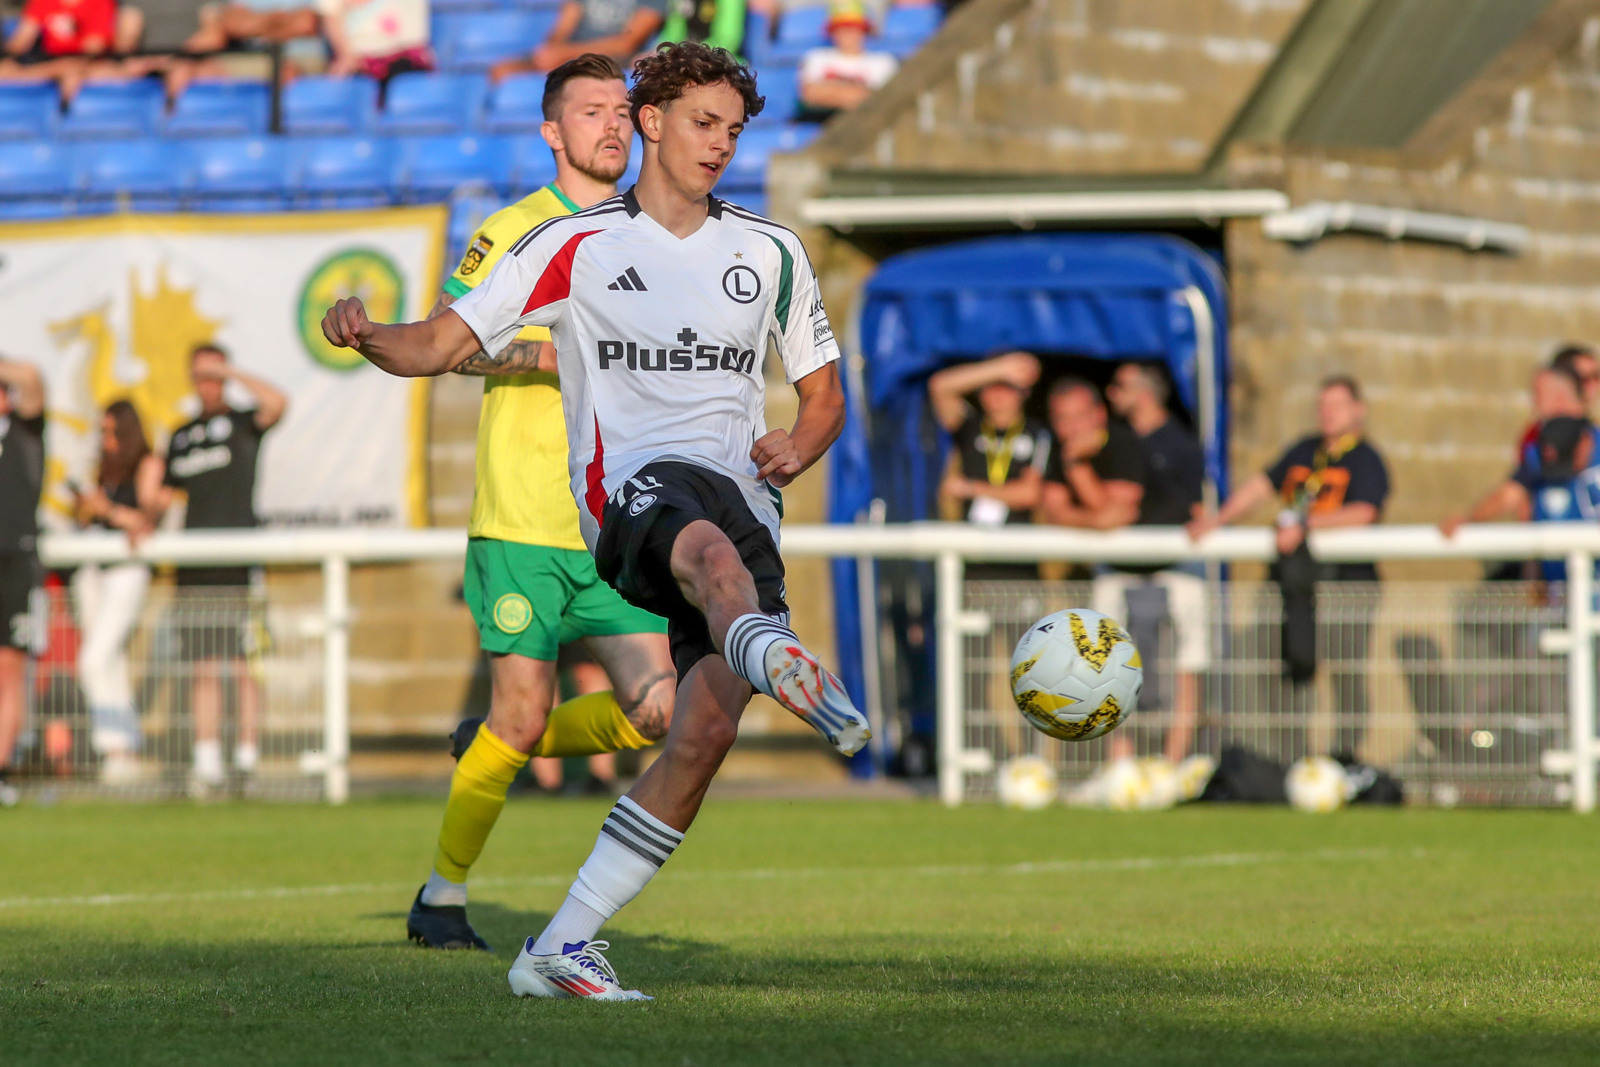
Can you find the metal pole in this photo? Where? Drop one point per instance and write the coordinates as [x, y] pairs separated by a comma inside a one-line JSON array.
[[871, 663], [336, 678], [949, 571], [1580, 678]]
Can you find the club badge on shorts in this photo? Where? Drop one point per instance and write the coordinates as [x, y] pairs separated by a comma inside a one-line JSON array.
[[512, 613]]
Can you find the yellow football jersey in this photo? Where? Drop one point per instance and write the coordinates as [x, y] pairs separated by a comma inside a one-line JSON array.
[[521, 491]]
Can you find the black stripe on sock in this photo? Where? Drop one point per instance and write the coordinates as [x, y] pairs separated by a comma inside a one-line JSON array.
[[632, 825], [649, 857], [628, 805], [664, 851]]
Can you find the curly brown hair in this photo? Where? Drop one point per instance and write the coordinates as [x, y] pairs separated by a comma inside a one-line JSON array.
[[667, 73]]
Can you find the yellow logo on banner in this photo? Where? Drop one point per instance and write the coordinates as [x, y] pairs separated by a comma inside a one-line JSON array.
[[362, 272]]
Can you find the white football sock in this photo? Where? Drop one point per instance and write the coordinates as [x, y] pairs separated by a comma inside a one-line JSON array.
[[246, 757], [745, 647], [441, 892], [632, 846], [208, 761]]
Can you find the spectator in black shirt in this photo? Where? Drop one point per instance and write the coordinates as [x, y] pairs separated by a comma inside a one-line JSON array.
[[212, 459], [1174, 477], [21, 481], [998, 452], [1331, 479], [1096, 474]]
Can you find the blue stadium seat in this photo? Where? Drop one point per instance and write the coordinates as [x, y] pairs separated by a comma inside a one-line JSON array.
[[240, 173], [434, 168], [36, 180], [757, 37], [343, 172], [799, 29], [906, 28], [779, 83], [438, 7], [320, 106], [28, 110], [516, 105], [466, 215], [115, 109], [421, 103], [143, 175], [221, 109], [476, 41], [532, 165]]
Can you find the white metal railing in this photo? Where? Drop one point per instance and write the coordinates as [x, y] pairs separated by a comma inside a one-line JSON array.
[[950, 546]]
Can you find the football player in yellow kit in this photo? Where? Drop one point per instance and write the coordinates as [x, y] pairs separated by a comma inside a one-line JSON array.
[[530, 582]]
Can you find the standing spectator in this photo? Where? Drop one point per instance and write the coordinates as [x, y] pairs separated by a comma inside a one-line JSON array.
[[998, 453], [716, 23], [378, 38], [126, 496], [70, 40], [1174, 480], [1557, 478], [617, 28], [213, 460], [21, 481], [1331, 479], [1096, 474], [1576, 362], [841, 76]]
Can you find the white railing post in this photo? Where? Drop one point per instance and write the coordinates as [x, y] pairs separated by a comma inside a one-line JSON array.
[[1580, 677], [336, 678], [949, 570]]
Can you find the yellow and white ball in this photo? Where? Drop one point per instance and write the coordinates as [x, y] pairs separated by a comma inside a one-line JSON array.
[[1027, 782], [1317, 784], [1076, 674]]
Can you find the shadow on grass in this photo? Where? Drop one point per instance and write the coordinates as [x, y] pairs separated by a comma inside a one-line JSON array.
[[131, 995]]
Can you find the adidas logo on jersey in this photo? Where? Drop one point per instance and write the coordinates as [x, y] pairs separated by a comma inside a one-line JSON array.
[[629, 280], [690, 357]]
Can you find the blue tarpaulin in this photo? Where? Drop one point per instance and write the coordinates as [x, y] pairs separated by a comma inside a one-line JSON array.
[[1101, 296]]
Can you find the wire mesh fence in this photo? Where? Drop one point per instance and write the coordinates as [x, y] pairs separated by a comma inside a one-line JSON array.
[[1442, 684], [144, 691]]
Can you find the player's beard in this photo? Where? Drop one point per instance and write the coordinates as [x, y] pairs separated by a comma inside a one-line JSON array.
[[600, 168]]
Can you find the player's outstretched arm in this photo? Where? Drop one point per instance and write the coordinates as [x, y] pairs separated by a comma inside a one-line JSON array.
[[407, 350], [782, 455]]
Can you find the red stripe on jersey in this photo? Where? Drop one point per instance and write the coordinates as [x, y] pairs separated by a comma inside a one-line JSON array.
[[594, 476], [556, 281]]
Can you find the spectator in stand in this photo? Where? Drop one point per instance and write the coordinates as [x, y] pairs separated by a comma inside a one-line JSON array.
[[1577, 362], [1096, 473], [378, 38], [225, 25], [1557, 478], [21, 481], [620, 29], [212, 459], [718, 23], [126, 497], [1174, 478], [1333, 478], [70, 41], [998, 453], [841, 76]]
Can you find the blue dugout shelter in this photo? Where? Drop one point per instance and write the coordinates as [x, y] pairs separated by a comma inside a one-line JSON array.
[[1102, 296]]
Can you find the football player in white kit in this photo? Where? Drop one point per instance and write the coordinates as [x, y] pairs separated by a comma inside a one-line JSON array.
[[661, 303]]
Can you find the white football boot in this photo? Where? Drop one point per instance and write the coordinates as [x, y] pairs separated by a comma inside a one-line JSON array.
[[800, 684], [578, 970]]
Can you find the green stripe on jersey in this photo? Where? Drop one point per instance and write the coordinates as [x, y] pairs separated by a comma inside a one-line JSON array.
[[785, 282], [456, 287], [556, 192]]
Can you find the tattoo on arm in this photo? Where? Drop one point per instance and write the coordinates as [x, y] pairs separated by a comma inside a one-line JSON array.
[[647, 711], [439, 305], [519, 357]]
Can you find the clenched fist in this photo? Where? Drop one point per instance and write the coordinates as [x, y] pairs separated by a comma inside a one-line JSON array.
[[346, 324], [777, 458]]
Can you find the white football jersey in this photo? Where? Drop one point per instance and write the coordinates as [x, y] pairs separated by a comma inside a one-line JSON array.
[[659, 340]]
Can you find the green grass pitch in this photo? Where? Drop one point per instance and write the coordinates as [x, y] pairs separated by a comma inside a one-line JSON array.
[[812, 933]]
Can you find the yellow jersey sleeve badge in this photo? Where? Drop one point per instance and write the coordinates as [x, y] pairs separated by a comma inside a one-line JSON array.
[[475, 254]]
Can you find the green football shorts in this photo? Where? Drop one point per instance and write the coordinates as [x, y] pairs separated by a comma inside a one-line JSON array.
[[530, 600]]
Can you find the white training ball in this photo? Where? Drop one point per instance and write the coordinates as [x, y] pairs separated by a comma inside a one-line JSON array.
[[1317, 784], [1026, 782], [1076, 674]]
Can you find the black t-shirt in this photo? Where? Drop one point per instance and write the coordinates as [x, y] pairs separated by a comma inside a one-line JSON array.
[[21, 481], [213, 459], [1174, 477], [996, 457], [1120, 459], [1331, 480]]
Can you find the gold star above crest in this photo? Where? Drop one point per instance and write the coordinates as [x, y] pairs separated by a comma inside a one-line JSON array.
[[738, 255]]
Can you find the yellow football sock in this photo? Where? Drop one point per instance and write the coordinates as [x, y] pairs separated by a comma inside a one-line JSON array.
[[477, 793], [586, 725]]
